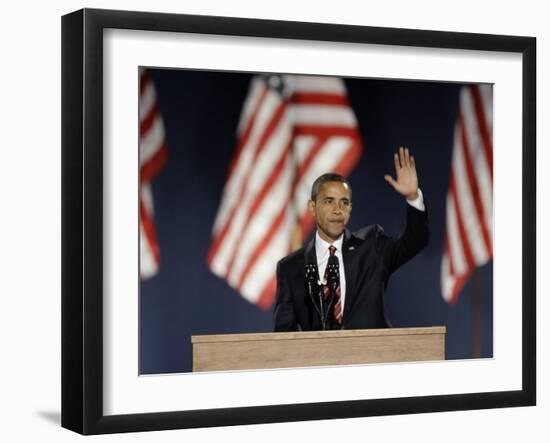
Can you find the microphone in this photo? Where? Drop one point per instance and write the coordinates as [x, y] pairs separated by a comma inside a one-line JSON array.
[[333, 273], [333, 281], [311, 274], [312, 277]]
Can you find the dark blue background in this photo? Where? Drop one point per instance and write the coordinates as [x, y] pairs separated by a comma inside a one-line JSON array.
[[201, 111]]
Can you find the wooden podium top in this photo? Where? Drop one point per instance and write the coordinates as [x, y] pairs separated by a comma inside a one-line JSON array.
[[301, 335], [316, 348]]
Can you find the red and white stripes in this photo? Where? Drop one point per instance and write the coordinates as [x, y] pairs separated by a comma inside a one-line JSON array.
[[152, 156], [292, 129], [469, 227]]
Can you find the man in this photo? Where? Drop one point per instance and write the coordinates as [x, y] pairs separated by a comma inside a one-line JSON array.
[[348, 293]]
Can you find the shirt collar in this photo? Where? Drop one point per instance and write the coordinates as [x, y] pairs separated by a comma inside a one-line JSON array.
[[321, 246]]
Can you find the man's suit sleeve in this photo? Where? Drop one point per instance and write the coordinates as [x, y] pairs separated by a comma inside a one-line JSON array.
[[284, 317], [415, 237]]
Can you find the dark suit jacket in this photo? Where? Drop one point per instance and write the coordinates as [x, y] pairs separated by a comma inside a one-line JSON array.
[[370, 256]]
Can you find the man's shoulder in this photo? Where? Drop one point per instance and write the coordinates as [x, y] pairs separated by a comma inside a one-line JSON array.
[[367, 232]]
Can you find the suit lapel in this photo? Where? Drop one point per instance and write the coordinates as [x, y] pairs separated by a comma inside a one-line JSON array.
[[310, 254], [350, 269], [308, 318]]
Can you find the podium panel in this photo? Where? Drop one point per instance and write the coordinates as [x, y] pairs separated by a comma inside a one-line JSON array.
[[316, 348]]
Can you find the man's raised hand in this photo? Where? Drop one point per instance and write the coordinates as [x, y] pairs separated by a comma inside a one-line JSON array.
[[405, 170]]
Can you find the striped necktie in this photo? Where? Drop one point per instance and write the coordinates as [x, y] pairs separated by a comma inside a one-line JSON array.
[[333, 267]]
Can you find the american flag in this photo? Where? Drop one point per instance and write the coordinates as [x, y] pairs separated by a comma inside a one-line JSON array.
[[292, 129], [152, 157], [469, 227]]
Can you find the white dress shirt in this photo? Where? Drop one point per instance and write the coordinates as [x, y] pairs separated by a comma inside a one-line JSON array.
[[322, 252]]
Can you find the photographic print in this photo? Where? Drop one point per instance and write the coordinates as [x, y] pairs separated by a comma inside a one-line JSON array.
[[228, 161]]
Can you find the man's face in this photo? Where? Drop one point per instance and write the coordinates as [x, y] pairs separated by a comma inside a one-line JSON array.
[[331, 210]]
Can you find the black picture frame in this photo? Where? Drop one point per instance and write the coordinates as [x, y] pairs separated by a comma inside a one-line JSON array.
[[82, 220]]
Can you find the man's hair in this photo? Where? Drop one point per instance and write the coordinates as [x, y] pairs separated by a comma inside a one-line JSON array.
[[328, 177]]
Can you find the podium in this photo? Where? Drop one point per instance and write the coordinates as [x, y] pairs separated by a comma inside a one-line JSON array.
[[316, 348]]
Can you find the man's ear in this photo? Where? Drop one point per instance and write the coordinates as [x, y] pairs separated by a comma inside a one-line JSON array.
[[311, 207]]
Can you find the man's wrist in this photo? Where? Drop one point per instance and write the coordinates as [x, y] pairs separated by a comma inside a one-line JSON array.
[[417, 202], [413, 197]]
